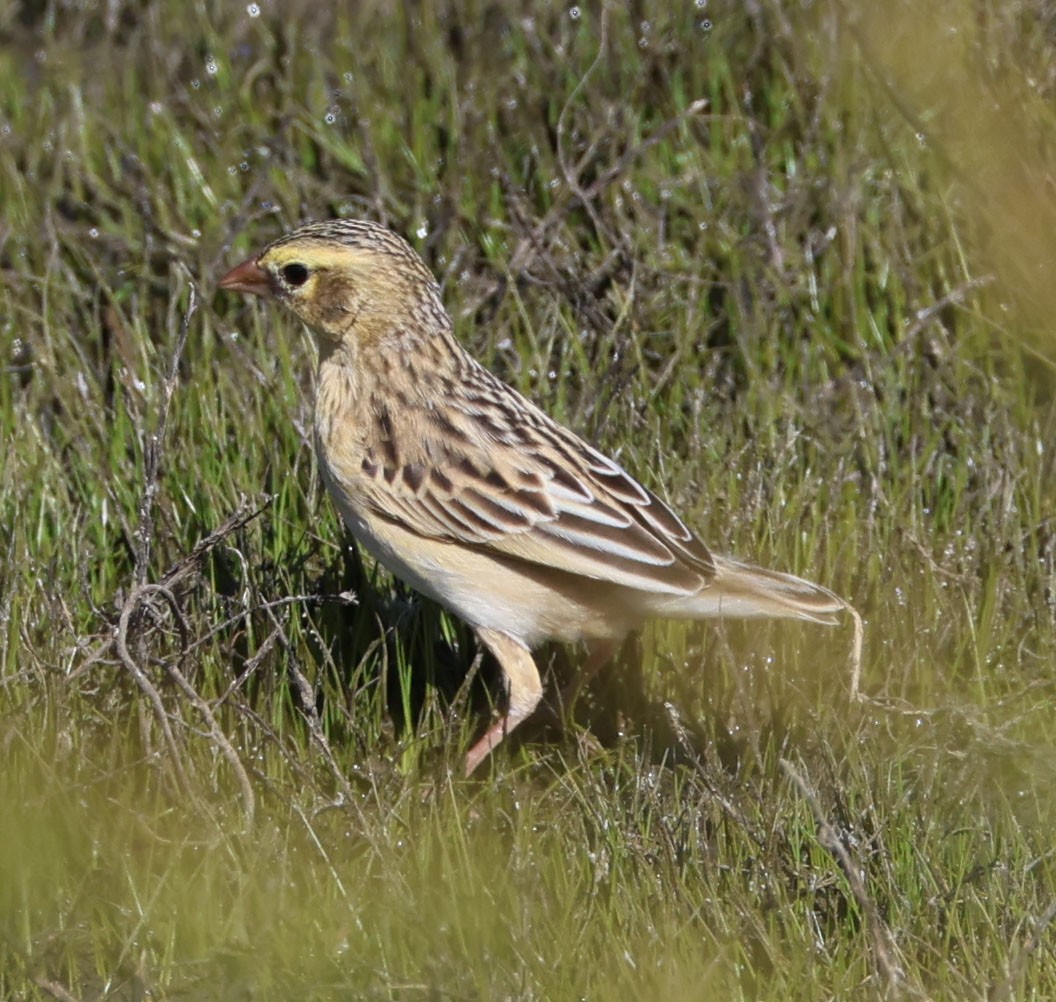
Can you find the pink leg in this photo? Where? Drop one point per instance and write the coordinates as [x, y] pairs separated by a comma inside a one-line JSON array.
[[524, 690]]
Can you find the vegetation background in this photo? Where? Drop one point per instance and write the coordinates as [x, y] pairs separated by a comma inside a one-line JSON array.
[[791, 262]]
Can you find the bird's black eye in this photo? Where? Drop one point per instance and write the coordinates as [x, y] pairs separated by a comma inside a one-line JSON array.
[[295, 275]]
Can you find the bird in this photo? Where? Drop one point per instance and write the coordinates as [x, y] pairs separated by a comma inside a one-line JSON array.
[[470, 493]]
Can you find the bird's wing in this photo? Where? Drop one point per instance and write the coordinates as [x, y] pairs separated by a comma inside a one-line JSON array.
[[490, 470]]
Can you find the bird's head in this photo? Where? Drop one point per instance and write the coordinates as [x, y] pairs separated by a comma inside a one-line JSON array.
[[354, 283]]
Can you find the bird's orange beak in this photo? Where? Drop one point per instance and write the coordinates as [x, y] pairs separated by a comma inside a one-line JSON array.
[[247, 277]]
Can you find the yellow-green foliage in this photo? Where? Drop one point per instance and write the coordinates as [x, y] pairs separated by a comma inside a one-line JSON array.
[[790, 262]]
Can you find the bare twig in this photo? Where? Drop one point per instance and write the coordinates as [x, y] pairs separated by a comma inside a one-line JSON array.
[[856, 650], [55, 990], [321, 849], [459, 705], [175, 575], [327, 598], [315, 726], [216, 731], [245, 513], [153, 448], [144, 596], [153, 696], [532, 244], [571, 174], [729, 807], [955, 297], [1004, 990], [885, 950], [265, 648], [625, 161]]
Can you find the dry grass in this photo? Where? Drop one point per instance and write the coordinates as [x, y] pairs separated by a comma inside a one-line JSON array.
[[789, 266]]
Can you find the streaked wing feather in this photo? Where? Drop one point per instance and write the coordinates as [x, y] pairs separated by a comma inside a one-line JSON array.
[[493, 471]]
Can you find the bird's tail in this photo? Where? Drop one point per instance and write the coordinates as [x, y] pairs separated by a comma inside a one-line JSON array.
[[743, 591]]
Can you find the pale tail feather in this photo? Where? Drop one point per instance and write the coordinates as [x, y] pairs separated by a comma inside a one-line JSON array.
[[742, 591]]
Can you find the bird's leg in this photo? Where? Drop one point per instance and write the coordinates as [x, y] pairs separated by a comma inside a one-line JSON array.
[[524, 689], [599, 654]]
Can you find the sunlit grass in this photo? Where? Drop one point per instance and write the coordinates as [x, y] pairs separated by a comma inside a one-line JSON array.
[[785, 311]]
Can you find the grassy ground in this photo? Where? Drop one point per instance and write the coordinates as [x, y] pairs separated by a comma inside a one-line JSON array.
[[791, 265]]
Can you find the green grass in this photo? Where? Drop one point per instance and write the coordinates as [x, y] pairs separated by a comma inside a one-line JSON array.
[[812, 313]]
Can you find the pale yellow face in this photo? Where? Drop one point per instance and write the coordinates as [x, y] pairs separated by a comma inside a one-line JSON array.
[[325, 285], [341, 291], [354, 283]]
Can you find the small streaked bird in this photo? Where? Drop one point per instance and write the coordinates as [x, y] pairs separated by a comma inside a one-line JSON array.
[[470, 493]]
